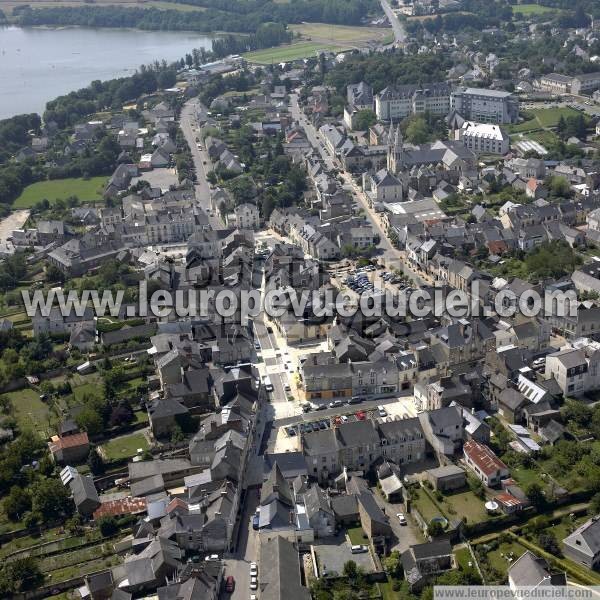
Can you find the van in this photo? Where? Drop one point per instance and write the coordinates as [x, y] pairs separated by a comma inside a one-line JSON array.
[[382, 412], [268, 384]]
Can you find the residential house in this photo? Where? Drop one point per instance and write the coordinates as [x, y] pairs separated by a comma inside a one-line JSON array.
[[69, 449], [583, 545], [530, 571], [421, 562], [484, 463], [280, 574]]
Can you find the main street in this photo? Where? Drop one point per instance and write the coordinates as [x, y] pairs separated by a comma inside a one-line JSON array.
[[397, 25], [392, 257], [191, 130]]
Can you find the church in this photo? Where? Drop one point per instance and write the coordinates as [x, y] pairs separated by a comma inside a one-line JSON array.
[[449, 157]]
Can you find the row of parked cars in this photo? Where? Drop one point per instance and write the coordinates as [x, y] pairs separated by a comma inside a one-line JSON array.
[[322, 424]]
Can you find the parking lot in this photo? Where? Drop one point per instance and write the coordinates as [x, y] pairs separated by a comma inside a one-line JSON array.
[[369, 281], [404, 408]]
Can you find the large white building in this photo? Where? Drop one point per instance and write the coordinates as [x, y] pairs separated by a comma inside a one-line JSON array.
[[483, 138], [402, 101], [244, 216], [485, 106]]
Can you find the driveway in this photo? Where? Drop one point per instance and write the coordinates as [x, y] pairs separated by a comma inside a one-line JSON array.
[[405, 535]]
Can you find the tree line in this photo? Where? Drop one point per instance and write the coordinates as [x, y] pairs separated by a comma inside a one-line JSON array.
[[240, 17], [389, 68]]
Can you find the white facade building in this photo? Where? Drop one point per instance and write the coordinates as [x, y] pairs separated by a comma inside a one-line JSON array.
[[483, 138]]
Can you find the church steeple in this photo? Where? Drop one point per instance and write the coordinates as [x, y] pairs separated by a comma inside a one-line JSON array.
[[395, 149]]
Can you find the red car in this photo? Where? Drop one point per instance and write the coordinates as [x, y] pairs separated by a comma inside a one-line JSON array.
[[229, 584], [360, 415]]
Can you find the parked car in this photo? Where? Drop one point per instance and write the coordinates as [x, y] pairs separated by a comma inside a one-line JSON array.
[[255, 522], [253, 583], [360, 415], [344, 419], [401, 518], [335, 403], [253, 569], [229, 584], [358, 548]]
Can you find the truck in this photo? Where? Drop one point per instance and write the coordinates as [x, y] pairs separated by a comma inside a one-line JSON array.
[[267, 383]]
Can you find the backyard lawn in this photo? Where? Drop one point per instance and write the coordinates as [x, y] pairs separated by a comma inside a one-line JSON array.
[[425, 506], [125, 446], [29, 411], [357, 536], [90, 389], [465, 504], [87, 190], [498, 558]]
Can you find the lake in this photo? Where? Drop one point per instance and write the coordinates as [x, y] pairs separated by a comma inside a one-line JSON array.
[[39, 64]]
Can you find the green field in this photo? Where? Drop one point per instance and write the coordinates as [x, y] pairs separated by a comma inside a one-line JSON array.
[[340, 34], [289, 52], [87, 190], [124, 447], [532, 9], [542, 118]]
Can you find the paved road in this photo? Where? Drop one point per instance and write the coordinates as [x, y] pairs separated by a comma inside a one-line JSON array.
[[397, 25], [311, 132], [189, 126]]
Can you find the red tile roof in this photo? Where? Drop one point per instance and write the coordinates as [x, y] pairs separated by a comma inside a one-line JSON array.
[[71, 441], [508, 499], [123, 506], [483, 457]]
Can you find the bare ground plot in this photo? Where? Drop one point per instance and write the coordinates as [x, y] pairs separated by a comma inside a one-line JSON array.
[[161, 178]]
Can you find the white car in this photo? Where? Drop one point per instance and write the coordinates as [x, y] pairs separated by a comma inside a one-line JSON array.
[[253, 570], [344, 419], [253, 583], [401, 518]]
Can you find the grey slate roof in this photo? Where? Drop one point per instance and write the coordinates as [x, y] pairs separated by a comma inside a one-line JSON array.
[[282, 578]]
